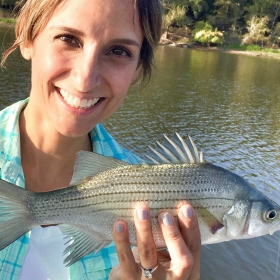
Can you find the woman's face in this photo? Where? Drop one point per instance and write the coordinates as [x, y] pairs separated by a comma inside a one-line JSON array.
[[83, 62]]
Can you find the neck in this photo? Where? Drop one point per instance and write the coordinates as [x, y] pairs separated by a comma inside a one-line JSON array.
[[48, 157]]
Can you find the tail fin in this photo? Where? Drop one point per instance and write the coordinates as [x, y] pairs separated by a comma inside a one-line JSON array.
[[13, 213]]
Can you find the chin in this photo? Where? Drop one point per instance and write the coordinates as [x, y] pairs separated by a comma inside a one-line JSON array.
[[74, 132]]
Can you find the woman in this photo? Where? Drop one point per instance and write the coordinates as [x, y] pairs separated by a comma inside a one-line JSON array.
[[84, 56]]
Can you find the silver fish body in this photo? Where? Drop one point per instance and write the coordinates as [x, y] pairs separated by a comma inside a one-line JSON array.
[[227, 206]]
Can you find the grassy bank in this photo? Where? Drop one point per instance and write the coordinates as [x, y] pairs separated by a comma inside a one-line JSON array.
[[231, 45], [6, 17], [4, 20], [243, 50], [252, 48]]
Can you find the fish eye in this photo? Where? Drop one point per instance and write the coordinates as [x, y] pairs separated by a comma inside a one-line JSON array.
[[270, 215]]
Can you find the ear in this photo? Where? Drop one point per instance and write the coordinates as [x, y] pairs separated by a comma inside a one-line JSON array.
[[26, 51]]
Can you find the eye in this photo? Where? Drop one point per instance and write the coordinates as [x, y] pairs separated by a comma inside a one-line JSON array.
[[120, 51], [68, 39], [270, 215]]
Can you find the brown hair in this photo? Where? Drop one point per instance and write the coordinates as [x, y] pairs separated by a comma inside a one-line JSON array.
[[35, 14]]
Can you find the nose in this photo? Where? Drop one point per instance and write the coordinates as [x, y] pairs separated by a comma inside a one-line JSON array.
[[86, 72]]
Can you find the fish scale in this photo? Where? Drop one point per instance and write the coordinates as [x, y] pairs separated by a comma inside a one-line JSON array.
[[104, 190]]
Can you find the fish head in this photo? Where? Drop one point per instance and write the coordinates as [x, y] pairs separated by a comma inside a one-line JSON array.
[[264, 218], [250, 218]]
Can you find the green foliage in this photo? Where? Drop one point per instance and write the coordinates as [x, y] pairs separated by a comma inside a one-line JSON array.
[[277, 29], [7, 20], [202, 25], [252, 48], [257, 31], [8, 3], [206, 35], [199, 8], [175, 15]]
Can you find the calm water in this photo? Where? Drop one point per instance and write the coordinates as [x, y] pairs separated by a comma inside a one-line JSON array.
[[229, 104]]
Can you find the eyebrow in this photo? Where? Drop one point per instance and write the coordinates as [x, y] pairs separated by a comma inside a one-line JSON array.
[[68, 29], [125, 41]]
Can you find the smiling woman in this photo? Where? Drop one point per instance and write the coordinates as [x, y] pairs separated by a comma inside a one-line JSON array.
[[85, 55]]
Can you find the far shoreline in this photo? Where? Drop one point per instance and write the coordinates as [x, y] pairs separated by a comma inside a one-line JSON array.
[[232, 51], [199, 47]]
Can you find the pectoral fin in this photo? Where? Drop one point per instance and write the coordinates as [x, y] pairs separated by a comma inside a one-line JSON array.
[[236, 218], [81, 242], [209, 220]]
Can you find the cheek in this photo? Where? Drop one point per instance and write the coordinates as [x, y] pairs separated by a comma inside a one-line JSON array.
[[48, 64], [120, 79]]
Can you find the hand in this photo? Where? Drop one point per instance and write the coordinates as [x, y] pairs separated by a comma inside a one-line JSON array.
[[182, 261]]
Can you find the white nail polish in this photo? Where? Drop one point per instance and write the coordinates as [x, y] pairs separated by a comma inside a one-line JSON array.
[[167, 219], [187, 211], [142, 214]]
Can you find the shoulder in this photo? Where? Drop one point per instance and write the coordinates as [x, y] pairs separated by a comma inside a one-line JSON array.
[[9, 116], [9, 120], [104, 144], [10, 163]]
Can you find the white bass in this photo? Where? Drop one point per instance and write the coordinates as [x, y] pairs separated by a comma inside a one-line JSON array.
[[103, 190]]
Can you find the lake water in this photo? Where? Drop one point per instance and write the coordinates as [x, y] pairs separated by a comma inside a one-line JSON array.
[[229, 104]]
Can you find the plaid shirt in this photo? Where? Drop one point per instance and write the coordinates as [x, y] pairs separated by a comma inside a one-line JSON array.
[[12, 257]]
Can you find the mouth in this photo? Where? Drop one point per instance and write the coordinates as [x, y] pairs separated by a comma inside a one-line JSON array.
[[78, 103]]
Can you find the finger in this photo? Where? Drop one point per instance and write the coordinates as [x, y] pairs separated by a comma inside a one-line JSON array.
[[190, 232], [128, 268], [135, 254], [115, 273], [181, 258], [145, 242]]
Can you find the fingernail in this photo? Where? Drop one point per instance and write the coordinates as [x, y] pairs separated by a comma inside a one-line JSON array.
[[187, 211], [119, 228], [167, 219], [142, 214]]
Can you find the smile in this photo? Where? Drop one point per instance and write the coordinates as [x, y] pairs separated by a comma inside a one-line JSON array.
[[76, 102]]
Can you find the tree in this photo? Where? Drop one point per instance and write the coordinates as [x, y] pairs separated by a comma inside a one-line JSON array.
[[257, 30], [228, 15], [205, 34], [176, 15], [8, 3]]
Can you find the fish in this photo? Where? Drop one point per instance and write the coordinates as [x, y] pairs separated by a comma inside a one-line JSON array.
[[104, 190]]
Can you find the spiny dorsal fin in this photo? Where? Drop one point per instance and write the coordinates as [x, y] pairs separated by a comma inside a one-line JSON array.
[[174, 150], [89, 164]]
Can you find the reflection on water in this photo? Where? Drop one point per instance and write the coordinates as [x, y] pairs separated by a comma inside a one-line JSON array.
[[229, 104]]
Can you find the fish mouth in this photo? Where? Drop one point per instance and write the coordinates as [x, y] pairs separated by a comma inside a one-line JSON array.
[[77, 102]]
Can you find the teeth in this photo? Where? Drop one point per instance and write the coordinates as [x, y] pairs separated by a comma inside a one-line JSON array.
[[89, 103], [83, 103], [76, 101]]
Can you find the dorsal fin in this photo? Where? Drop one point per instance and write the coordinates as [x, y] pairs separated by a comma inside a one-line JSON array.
[[174, 150], [89, 164]]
